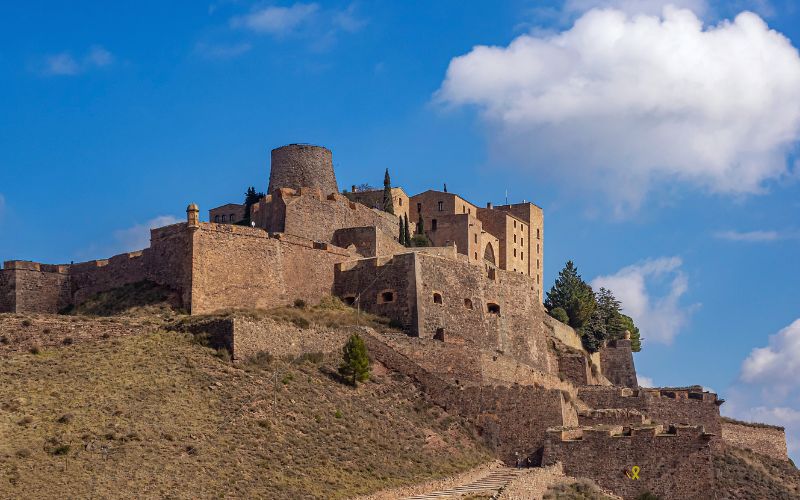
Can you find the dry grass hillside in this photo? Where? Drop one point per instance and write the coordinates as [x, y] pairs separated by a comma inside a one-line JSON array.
[[157, 415], [742, 474]]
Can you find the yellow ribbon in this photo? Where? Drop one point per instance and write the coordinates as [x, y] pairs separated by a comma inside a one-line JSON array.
[[635, 470]]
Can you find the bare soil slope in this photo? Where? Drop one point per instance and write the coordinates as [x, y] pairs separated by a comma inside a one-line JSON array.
[[157, 415]]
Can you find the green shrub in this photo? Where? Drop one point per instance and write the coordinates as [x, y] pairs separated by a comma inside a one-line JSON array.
[[300, 303], [560, 314]]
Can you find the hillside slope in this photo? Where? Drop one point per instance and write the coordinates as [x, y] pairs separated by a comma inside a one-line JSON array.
[[157, 415]]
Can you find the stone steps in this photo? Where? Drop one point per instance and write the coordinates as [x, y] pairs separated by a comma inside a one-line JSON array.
[[491, 483]]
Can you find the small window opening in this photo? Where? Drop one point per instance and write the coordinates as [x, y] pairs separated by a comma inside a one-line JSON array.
[[439, 334], [419, 207], [521, 256], [216, 218], [476, 238], [230, 218], [468, 303], [441, 206], [433, 224], [515, 238], [476, 255], [537, 263], [223, 218], [437, 298], [515, 252], [387, 297], [493, 308], [515, 223], [350, 300], [400, 201], [538, 234]]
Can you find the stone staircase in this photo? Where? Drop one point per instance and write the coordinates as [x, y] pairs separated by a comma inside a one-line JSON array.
[[490, 484]]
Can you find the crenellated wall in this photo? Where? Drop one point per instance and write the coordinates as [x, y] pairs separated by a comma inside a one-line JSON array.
[[673, 462]]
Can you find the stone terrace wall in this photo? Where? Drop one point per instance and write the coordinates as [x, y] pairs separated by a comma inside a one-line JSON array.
[[242, 267], [245, 336], [677, 465], [765, 439], [368, 241], [19, 333], [466, 292], [510, 418], [687, 405]]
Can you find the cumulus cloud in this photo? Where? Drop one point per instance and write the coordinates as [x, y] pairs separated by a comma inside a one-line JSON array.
[[137, 236], [65, 64], [769, 385], [659, 316], [779, 362], [645, 381], [624, 102], [652, 7]]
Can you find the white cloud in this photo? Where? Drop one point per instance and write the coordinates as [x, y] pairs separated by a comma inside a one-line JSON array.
[[777, 364], [277, 21], [137, 237], [659, 317], [652, 7], [623, 102], [645, 381], [769, 385], [749, 236], [213, 51], [64, 64]]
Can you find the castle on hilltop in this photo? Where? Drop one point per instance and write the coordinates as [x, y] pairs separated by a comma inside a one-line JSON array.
[[476, 338]]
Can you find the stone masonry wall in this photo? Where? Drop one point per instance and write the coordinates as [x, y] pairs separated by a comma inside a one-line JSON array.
[[8, 296], [663, 405], [36, 288], [765, 439], [242, 267], [511, 419], [616, 360], [302, 165], [673, 465], [461, 301], [385, 286]]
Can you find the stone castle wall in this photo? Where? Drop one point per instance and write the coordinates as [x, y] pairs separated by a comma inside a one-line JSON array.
[[494, 309], [236, 267], [616, 360], [302, 165], [673, 464], [33, 287], [663, 405], [768, 440], [511, 419]]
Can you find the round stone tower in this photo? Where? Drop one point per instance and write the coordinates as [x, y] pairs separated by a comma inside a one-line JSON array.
[[302, 165]]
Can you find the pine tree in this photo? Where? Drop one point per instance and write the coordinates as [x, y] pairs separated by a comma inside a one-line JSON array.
[[609, 308], [593, 333], [401, 238], [420, 226], [636, 340], [573, 295], [355, 360], [388, 203], [407, 231]]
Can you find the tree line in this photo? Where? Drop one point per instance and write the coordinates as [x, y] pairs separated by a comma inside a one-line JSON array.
[[596, 316]]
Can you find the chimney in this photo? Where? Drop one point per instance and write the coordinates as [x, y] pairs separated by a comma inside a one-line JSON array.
[[489, 205]]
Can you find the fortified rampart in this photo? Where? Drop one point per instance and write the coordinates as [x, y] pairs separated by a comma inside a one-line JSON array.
[[452, 301], [617, 361], [674, 462], [769, 440], [681, 405]]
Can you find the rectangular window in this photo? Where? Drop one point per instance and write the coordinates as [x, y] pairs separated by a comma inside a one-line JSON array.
[[419, 207], [538, 234], [433, 224], [441, 206], [476, 238], [537, 263]]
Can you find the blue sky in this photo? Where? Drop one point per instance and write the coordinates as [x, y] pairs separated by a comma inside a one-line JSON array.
[[664, 154]]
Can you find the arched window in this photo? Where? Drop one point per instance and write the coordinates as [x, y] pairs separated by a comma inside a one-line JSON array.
[[488, 254], [231, 218], [493, 308], [350, 300], [400, 201], [468, 303], [437, 298], [216, 218], [223, 218]]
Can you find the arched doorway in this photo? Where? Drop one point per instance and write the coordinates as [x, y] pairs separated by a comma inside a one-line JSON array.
[[488, 254]]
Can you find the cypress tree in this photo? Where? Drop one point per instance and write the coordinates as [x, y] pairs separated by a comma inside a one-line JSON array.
[[407, 231], [355, 360], [388, 203], [401, 238]]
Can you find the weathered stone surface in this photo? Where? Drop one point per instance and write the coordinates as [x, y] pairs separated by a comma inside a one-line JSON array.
[[768, 440]]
